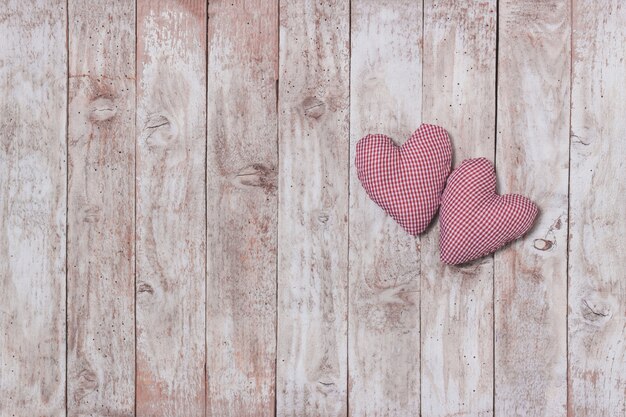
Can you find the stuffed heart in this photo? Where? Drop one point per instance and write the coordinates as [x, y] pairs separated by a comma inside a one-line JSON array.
[[475, 221], [406, 181]]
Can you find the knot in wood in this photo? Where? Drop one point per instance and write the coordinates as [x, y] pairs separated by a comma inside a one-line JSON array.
[[313, 107], [144, 287], [257, 175], [542, 244], [102, 108], [156, 121], [595, 312]]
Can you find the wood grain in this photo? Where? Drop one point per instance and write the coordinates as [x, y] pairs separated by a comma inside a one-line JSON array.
[[33, 109], [171, 207], [100, 241], [532, 159], [313, 208], [385, 97], [597, 250], [457, 301], [267, 282], [242, 207]]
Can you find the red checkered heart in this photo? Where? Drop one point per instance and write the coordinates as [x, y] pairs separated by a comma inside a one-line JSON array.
[[406, 181], [475, 220]]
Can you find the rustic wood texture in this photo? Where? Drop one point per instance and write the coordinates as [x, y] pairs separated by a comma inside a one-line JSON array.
[[171, 207], [385, 97], [597, 249], [204, 247], [242, 207], [313, 208], [532, 159], [457, 302], [33, 109], [101, 200]]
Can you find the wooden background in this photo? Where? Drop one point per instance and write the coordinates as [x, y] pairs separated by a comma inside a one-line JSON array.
[[182, 232]]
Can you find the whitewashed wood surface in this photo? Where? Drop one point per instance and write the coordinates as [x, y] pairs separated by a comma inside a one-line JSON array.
[[170, 208], [33, 202], [101, 209], [530, 276], [242, 161], [457, 302], [313, 172], [385, 97], [182, 232]]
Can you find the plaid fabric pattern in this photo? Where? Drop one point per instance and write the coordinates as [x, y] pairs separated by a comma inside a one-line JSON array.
[[406, 181], [475, 221]]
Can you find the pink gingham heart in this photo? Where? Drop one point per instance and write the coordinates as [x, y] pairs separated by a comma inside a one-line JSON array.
[[475, 220], [406, 181]]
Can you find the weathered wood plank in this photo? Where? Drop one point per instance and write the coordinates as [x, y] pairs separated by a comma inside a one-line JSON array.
[[242, 207], [101, 331], [33, 109], [313, 208], [386, 96], [457, 313], [532, 159], [597, 258], [171, 224]]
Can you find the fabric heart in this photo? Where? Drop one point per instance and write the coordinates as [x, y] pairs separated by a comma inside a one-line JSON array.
[[406, 181], [475, 221]]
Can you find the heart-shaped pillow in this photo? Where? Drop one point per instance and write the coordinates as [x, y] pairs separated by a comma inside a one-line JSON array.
[[475, 220], [406, 181]]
